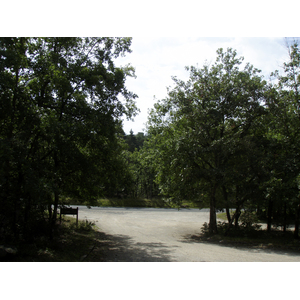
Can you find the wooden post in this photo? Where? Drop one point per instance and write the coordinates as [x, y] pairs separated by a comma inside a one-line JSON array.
[[77, 218]]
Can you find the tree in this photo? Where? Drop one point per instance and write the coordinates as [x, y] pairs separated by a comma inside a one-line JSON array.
[[60, 118], [134, 141], [203, 126], [284, 103]]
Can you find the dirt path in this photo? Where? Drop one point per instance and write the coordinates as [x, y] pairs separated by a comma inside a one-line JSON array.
[[146, 234]]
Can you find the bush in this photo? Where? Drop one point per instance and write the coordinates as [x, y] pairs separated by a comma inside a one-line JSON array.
[[205, 229], [85, 225], [245, 229], [248, 219]]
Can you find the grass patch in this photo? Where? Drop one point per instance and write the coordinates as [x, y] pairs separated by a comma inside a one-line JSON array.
[[131, 202], [118, 202], [223, 216], [134, 202]]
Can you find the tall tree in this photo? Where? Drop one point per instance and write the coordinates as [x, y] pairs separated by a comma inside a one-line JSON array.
[[284, 105], [203, 125], [62, 102]]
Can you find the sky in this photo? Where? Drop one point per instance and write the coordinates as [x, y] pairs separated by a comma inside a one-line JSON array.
[[157, 59]]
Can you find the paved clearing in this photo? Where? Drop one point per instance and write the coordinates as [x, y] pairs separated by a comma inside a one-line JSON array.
[[161, 235]]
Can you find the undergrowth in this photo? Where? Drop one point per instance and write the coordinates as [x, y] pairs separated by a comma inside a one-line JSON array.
[[133, 202], [252, 236], [70, 243]]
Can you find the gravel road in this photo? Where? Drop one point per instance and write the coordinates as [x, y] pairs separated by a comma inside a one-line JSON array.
[[162, 235]]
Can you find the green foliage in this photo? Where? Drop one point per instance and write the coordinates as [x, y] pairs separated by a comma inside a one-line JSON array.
[[60, 123], [245, 230], [135, 142], [249, 219], [141, 166], [202, 133], [223, 139], [283, 103], [227, 139], [71, 244], [86, 225]]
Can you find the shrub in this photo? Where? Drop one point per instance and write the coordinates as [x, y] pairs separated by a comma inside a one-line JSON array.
[[248, 219], [85, 225]]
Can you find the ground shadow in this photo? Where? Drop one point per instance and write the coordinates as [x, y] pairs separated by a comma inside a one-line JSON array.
[[121, 248], [242, 245]]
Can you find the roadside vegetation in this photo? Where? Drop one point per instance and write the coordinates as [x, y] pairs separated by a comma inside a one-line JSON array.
[[227, 138], [136, 202], [71, 244], [251, 233]]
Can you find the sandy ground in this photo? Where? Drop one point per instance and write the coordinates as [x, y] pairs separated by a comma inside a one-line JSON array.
[[166, 235]]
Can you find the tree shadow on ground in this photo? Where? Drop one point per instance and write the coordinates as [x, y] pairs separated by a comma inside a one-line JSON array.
[[121, 248], [292, 249]]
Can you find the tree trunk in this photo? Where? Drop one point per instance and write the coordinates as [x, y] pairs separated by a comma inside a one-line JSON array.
[[284, 217], [212, 212], [236, 218], [270, 208], [50, 211], [296, 231], [231, 221], [228, 214], [56, 200], [237, 209], [54, 214], [225, 194], [27, 235], [17, 197], [56, 197]]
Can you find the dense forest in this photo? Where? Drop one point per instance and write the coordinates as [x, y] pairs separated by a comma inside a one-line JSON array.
[[225, 139]]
